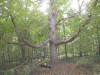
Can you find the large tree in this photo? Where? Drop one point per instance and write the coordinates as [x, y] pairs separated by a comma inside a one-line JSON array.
[[52, 23]]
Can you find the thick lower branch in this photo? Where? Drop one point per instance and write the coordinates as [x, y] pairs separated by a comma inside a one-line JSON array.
[[26, 43], [76, 34], [16, 43], [70, 39], [36, 46]]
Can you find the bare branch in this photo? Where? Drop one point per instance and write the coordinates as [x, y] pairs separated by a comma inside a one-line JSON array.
[[36, 46], [96, 1], [15, 26], [16, 43], [79, 6], [82, 3], [63, 19], [26, 43], [75, 35]]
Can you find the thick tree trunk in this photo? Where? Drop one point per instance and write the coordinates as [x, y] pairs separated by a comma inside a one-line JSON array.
[[52, 35], [53, 47], [53, 53]]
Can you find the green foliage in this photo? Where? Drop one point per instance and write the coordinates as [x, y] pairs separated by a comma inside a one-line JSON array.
[[28, 17]]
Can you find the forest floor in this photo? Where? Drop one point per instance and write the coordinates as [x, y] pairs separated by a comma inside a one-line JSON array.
[[75, 66], [72, 66], [65, 68]]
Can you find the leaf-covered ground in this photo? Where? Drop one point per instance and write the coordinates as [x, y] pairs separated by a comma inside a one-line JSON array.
[[87, 65], [65, 68]]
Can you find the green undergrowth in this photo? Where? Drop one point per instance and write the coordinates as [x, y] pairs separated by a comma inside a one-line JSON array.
[[83, 62], [28, 69], [86, 62], [90, 62]]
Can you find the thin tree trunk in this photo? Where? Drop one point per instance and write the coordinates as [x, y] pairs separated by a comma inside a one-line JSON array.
[[64, 39], [80, 47], [72, 44], [8, 54], [98, 40], [23, 53], [99, 47], [23, 34]]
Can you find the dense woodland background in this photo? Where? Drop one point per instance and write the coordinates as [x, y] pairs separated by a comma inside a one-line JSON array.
[[23, 26]]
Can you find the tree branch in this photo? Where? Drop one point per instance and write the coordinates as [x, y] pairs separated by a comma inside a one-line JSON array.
[[15, 26], [82, 4], [24, 42], [63, 19], [76, 34], [36, 46], [16, 43], [96, 1]]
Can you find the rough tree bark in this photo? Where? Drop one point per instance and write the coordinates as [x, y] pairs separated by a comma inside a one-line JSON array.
[[52, 33]]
